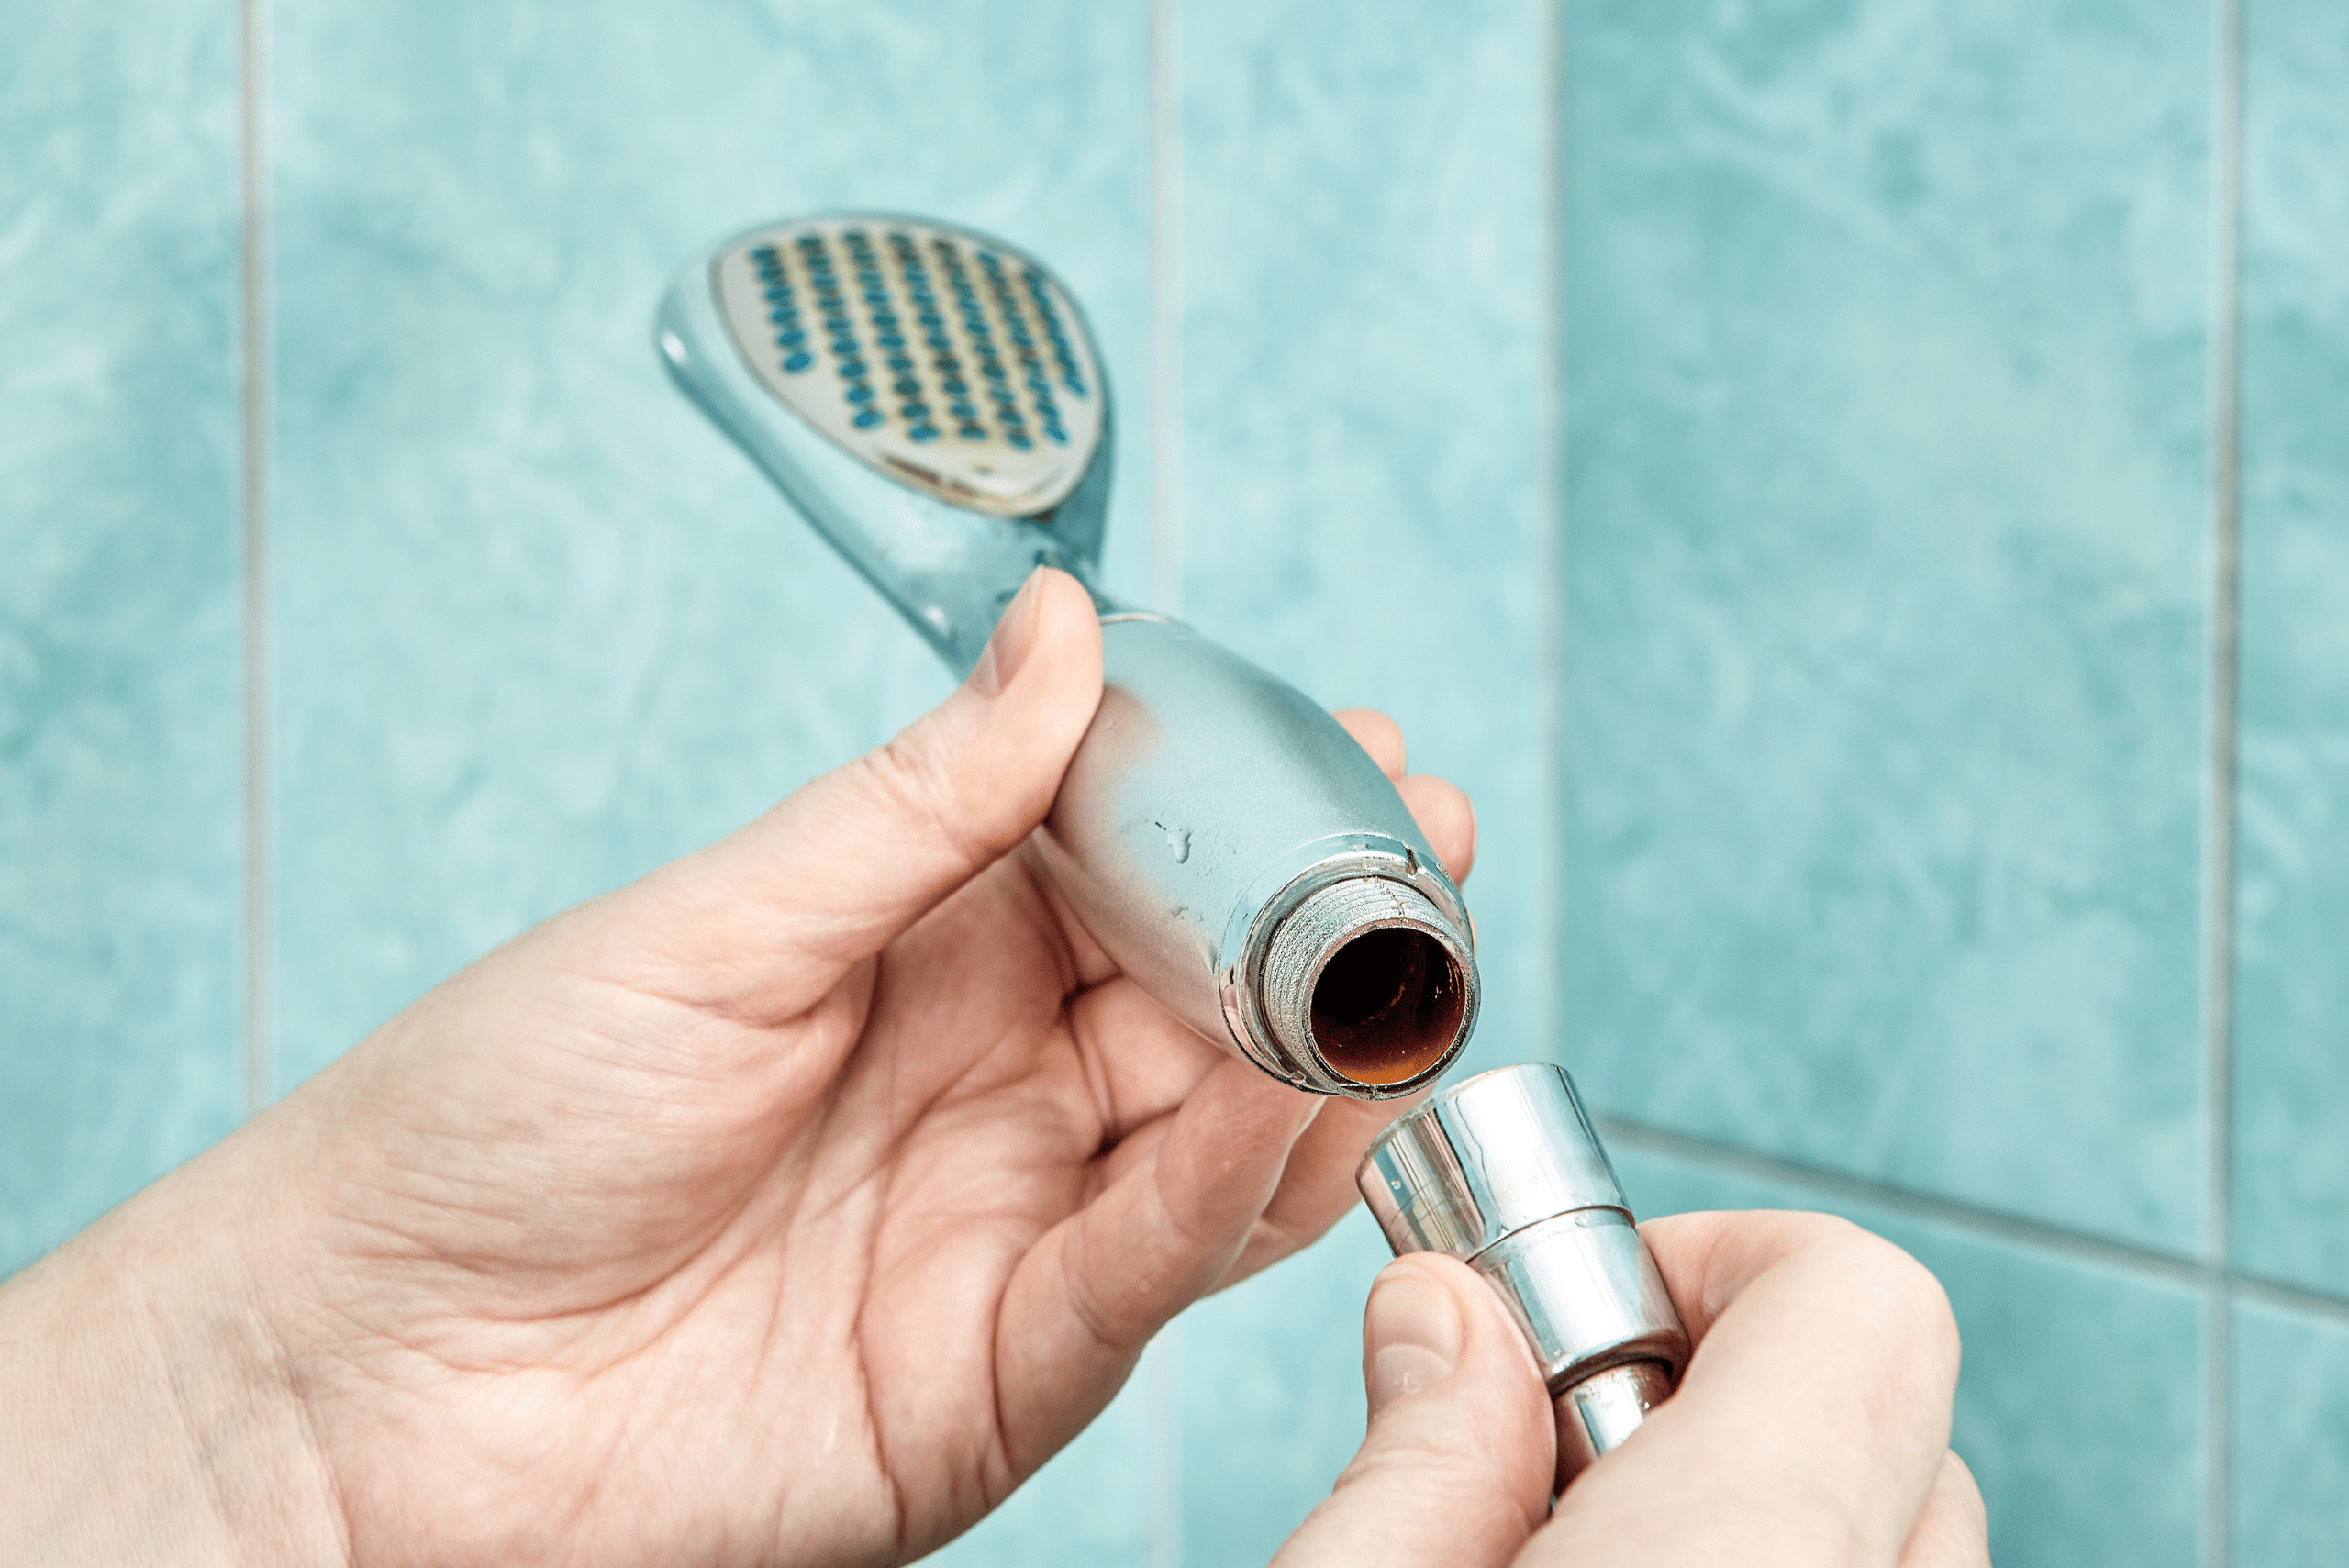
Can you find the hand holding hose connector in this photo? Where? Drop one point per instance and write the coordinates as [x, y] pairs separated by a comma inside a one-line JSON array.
[[1811, 1425]]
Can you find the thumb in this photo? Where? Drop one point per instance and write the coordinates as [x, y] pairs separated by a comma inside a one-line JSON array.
[[1456, 1465], [767, 919]]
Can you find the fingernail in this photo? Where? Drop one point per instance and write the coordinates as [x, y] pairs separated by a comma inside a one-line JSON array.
[[1411, 1334], [1014, 635]]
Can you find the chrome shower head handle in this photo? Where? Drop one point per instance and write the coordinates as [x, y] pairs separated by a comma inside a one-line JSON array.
[[932, 400]]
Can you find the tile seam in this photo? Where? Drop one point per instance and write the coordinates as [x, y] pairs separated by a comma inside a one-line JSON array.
[[2225, 480], [2284, 1297], [2176, 1268], [1162, 1445], [253, 289], [1165, 307], [1550, 911], [2173, 1268]]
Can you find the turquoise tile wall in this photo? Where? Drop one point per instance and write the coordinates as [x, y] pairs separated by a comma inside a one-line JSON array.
[[121, 608], [2291, 1423], [1767, 452], [2292, 1045], [1887, 591], [2078, 1403]]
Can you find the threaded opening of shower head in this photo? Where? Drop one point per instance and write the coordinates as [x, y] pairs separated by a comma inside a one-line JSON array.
[[1388, 1006], [1369, 988]]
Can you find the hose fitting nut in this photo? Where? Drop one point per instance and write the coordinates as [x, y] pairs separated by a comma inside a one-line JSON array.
[[1504, 1173]]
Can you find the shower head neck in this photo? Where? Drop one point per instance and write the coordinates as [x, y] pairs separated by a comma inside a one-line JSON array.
[[930, 397]]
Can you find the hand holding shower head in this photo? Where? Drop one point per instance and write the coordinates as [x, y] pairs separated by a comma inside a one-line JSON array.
[[932, 401]]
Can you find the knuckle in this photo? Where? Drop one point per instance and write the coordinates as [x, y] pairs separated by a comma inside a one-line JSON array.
[[1918, 1297], [914, 781], [1958, 1477], [1916, 1309], [1907, 1294], [1809, 1228], [1099, 1319]]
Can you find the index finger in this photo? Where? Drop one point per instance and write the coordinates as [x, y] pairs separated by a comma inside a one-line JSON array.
[[1812, 1420], [1376, 734], [1442, 811]]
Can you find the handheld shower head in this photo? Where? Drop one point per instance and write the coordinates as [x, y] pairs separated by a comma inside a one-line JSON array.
[[932, 401]]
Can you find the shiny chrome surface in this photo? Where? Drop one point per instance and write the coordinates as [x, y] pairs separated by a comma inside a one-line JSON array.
[[1485, 1158], [1586, 1292], [1505, 1172], [1225, 840], [1595, 1414]]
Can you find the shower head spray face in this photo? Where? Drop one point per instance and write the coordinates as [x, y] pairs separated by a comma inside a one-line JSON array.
[[932, 400], [929, 397], [954, 364]]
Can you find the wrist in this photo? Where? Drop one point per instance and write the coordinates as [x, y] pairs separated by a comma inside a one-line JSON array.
[[152, 1413]]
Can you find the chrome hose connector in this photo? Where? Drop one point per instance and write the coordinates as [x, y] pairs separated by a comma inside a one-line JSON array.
[[1504, 1173]]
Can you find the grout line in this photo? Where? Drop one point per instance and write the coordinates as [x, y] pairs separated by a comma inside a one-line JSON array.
[[2284, 1297], [1166, 306], [1552, 454], [2218, 1441], [2225, 394], [1163, 1446], [2169, 1267], [253, 21], [2225, 629]]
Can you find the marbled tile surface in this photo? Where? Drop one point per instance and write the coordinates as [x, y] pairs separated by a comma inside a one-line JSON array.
[[1886, 620], [541, 628], [2077, 1403], [2290, 1460], [1363, 220], [2292, 930], [120, 607], [1272, 1402]]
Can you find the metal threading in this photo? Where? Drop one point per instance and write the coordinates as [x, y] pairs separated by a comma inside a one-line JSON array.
[[1365, 978], [956, 364]]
